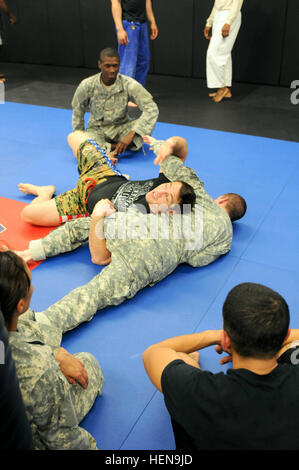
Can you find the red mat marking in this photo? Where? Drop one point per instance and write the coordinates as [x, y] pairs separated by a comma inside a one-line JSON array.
[[18, 233]]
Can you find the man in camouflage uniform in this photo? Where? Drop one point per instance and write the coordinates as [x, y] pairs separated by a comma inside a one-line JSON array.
[[56, 397], [106, 95], [145, 248]]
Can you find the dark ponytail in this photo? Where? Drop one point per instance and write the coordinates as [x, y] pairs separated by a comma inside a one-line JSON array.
[[14, 283]]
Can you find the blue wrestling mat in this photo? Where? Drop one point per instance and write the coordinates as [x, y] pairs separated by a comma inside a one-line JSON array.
[[130, 414]]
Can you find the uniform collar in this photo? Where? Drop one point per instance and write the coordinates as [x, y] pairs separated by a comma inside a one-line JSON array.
[[116, 87]]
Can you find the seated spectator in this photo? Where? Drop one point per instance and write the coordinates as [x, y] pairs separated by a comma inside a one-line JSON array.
[[58, 388], [254, 406]]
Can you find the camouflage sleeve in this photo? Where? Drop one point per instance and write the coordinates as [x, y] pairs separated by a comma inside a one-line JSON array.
[[145, 124], [174, 169], [65, 238], [80, 105], [55, 417]]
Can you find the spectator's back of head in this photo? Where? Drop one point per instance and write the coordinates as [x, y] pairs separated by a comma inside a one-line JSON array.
[[256, 319]]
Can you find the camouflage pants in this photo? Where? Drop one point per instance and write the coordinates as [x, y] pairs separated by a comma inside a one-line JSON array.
[[93, 170], [108, 135], [83, 399]]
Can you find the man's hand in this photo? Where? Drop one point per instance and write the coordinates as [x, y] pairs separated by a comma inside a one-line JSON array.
[[154, 31], [225, 30], [207, 32], [122, 37], [12, 18], [166, 149], [103, 208], [226, 359], [124, 142], [175, 145], [73, 369], [25, 255]]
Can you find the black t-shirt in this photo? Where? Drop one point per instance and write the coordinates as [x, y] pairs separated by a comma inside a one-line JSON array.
[[238, 410], [133, 10], [123, 193]]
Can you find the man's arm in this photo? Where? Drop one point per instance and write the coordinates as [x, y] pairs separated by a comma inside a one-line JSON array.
[[97, 243], [65, 238], [151, 19], [116, 9], [175, 146], [80, 106], [159, 355]]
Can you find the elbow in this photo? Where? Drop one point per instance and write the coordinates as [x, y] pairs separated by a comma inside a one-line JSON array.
[[146, 354], [100, 261]]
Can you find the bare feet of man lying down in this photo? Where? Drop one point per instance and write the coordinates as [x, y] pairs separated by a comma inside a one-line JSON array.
[[43, 193]]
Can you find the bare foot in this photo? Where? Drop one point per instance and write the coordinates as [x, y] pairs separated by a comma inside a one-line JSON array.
[[148, 139], [222, 93], [46, 192]]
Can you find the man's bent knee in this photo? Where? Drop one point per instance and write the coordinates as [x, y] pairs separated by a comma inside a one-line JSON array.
[[27, 214], [75, 139]]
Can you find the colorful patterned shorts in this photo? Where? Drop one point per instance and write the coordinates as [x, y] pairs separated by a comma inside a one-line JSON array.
[[93, 170]]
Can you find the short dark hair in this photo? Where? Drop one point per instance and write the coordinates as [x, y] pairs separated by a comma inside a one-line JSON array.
[[187, 196], [236, 206], [256, 319], [14, 283], [108, 52]]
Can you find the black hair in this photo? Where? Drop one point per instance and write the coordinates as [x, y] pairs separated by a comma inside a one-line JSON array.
[[108, 52], [187, 196], [256, 319], [14, 283], [236, 206]]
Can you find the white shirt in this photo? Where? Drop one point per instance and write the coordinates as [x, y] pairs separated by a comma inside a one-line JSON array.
[[234, 6]]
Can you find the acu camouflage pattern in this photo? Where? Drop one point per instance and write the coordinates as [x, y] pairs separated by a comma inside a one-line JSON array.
[[54, 407], [137, 261], [139, 258], [108, 106]]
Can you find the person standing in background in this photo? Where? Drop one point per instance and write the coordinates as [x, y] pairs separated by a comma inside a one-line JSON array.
[[130, 18], [225, 19], [12, 20]]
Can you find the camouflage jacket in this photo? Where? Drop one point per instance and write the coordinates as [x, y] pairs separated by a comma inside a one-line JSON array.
[[45, 390], [108, 106], [146, 248]]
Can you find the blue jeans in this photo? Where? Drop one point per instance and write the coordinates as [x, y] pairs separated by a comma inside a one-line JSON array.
[[135, 57]]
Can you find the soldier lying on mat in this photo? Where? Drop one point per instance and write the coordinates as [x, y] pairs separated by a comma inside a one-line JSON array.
[[142, 249], [58, 388], [99, 179]]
